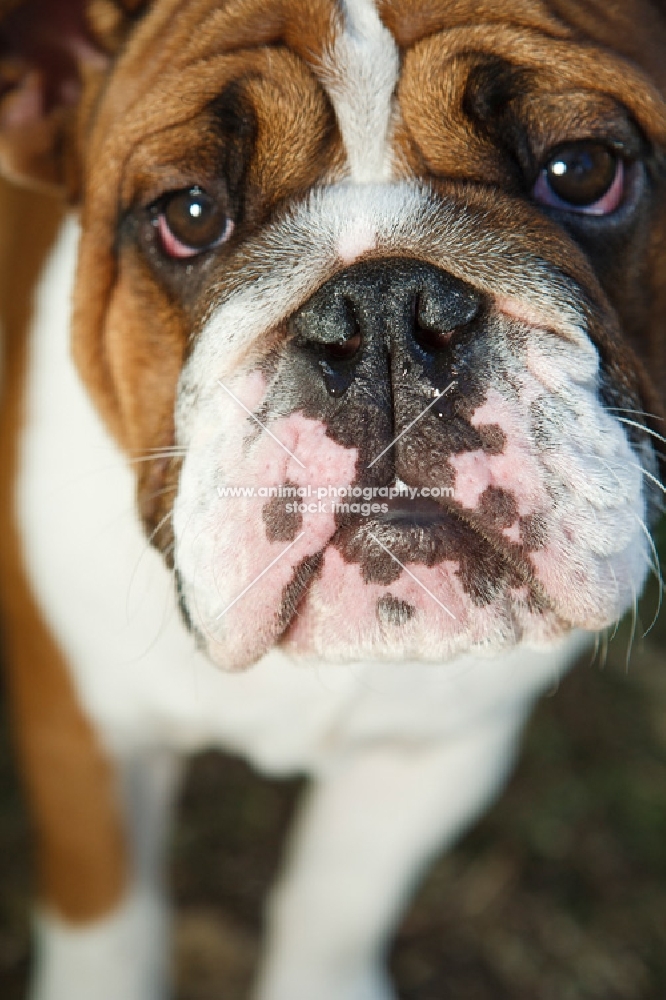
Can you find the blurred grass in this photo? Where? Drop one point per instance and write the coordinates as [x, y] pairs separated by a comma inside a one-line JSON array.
[[559, 893]]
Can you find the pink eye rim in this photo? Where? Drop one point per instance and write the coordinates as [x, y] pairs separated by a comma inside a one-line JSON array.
[[176, 249], [190, 222], [612, 189]]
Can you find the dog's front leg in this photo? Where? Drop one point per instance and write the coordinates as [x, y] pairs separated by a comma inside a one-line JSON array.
[[366, 831], [121, 954]]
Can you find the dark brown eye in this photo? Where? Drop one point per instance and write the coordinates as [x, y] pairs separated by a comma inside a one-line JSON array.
[[190, 222], [584, 177]]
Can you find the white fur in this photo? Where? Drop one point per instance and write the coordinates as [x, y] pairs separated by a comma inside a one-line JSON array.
[[371, 806], [119, 957], [110, 604], [360, 75]]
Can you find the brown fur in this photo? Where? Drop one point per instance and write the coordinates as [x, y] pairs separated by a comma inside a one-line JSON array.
[[81, 853]]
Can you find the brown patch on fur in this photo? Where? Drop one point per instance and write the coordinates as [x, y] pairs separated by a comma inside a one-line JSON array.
[[635, 29], [392, 611], [492, 437], [292, 593], [144, 346], [533, 531], [306, 147], [281, 526], [110, 20], [497, 508], [486, 568], [80, 842]]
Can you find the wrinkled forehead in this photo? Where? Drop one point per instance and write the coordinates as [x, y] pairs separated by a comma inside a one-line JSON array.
[[382, 89]]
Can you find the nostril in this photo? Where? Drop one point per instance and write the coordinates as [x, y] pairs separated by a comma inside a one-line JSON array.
[[333, 334], [429, 337], [348, 342], [344, 351], [434, 323], [431, 340]]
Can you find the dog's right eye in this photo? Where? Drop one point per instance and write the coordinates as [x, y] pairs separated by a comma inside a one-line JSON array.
[[189, 222], [582, 177]]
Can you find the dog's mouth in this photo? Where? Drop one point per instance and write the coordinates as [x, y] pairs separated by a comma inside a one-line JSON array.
[[413, 546], [428, 531], [408, 513]]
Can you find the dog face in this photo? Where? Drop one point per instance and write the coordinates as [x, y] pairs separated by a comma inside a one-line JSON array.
[[331, 252]]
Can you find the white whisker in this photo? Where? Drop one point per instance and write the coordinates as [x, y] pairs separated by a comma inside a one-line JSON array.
[[639, 413], [654, 566], [156, 456], [595, 650], [641, 427], [617, 590], [656, 569], [603, 652], [146, 549], [649, 476], [634, 621], [160, 493]]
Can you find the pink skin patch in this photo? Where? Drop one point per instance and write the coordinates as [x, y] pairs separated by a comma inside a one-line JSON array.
[[512, 534], [356, 240], [523, 312], [250, 390], [566, 328], [341, 603], [250, 562], [339, 616], [515, 470], [568, 580]]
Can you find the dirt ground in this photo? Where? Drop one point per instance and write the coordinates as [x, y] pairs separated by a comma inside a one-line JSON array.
[[559, 893]]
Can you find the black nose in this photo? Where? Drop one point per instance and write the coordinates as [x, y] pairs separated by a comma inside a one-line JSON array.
[[397, 301]]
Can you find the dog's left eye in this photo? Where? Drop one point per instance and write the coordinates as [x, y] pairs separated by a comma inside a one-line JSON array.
[[583, 177], [190, 222]]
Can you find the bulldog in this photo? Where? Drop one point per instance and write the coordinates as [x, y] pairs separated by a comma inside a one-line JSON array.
[[332, 434]]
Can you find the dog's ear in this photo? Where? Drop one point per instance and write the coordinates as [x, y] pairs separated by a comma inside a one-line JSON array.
[[52, 54]]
